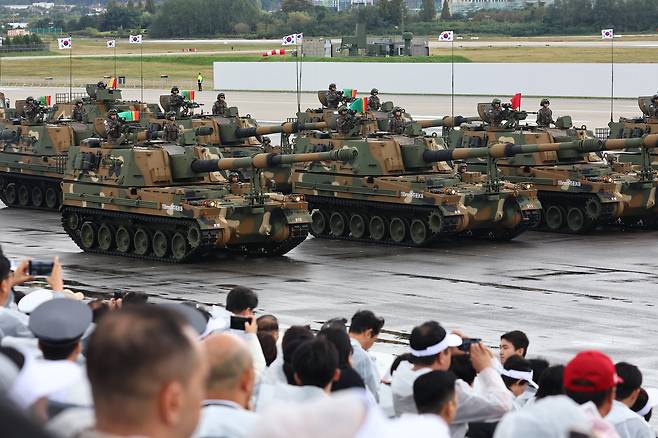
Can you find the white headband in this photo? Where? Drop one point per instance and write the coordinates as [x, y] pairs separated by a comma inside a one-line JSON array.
[[645, 410], [432, 350], [520, 375], [651, 402]]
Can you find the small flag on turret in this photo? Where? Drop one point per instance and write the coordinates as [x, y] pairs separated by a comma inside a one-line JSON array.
[[129, 116], [45, 100], [447, 36], [112, 83], [349, 92], [607, 34], [189, 95], [516, 101], [111, 44], [360, 105], [64, 43]]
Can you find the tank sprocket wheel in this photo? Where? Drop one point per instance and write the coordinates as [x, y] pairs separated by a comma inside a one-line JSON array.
[[23, 195], [37, 196], [194, 236], [11, 194], [52, 198], [123, 240], [593, 208], [88, 235], [419, 232], [318, 222], [397, 229], [377, 227], [358, 228], [105, 237], [435, 221]]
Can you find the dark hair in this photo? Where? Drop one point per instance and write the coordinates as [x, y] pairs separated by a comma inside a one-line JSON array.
[[632, 379], [582, 397], [292, 338], [315, 362], [349, 378], [462, 367], [518, 339], [135, 298], [57, 350], [516, 363], [433, 390], [538, 365], [364, 320], [404, 357], [98, 309], [241, 298], [425, 335], [268, 345], [5, 267], [133, 351], [13, 355], [267, 323], [551, 382], [641, 402], [341, 340]]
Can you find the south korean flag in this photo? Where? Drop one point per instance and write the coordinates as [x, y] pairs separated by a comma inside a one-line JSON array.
[[111, 44], [135, 39], [289, 40], [447, 36], [607, 34], [64, 43]]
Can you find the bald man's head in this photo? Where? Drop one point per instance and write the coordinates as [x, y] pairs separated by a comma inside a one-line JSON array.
[[230, 362]]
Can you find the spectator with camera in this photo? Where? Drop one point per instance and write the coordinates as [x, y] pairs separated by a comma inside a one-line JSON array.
[[365, 328], [241, 302], [432, 349]]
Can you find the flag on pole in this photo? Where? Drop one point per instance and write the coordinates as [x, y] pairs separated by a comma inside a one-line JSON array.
[[360, 105], [447, 36], [129, 116], [45, 100], [516, 101], [300, 37], [189, 95], [64, 43], [111, 44], [349, 92], [607, 34], [135, 39], [112, 83], [291, 40]]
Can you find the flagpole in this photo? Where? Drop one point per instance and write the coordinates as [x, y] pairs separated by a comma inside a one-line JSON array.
[[452, 77], [71, 70], [115, 60], [299, 91], [141, 66], [612, 74], [297, 77]]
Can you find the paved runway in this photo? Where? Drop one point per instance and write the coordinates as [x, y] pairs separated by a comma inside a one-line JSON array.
[[567, 292]]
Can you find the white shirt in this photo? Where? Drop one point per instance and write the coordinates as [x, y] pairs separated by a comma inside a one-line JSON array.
[[402, 387], [627, 423], [281, 393], [429, 425], [14, 323], [364, 365], [223, 418]]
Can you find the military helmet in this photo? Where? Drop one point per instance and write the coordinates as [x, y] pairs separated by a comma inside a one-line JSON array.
[[171, 114], [655, 97], [100, 84], [332, 86], [29, 99], [342, 109], [78, 101], [174, 89], [112, 112], [544, 101], [221, 95], [496, 101], [397, 109], [374, 91]]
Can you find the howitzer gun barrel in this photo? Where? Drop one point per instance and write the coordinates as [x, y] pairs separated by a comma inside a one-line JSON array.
[[446, 122], [200, 131], [265, 161], [286, 128]]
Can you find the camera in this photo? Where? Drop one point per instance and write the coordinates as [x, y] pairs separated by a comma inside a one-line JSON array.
[[239, 322], [466, 344], [39, 267]]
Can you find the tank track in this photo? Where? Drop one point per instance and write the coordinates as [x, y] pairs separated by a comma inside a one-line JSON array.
[[387, 211], [564, 201], [151, 223], [298, 234], [12, 182]]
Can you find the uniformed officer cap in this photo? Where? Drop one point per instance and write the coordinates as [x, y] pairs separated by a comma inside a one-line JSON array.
[[544, 101], [61, 320], [192, 316]]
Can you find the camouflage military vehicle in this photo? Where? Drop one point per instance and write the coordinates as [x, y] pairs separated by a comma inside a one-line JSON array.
[[402, 190], [170, 202], [637, 127], [578, 189]]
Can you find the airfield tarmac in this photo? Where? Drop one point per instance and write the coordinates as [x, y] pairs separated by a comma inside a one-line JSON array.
[[568, 293]]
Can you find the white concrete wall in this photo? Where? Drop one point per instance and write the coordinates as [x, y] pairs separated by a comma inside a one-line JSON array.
[[578, 80]]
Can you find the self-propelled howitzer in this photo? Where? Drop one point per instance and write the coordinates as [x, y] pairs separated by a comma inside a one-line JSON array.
[[169, 202], [403, 190]]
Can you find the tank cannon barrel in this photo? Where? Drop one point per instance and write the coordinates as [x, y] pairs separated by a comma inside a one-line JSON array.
[[446, 122], [286, 128], [265, 161], [200, 131]]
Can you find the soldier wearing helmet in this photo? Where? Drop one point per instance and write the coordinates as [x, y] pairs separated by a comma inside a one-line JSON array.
[[545, 115], [346, 121], [333, 97], [396, 124], [220, 107], [31, 110], [79, 114], [101, 85], [373, 100], [170, 128], [176, 101], [653, 108], [496, 113], [113, 126]]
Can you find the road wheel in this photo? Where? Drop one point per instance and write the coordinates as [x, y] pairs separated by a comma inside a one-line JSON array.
[[357, 226], [23, 195], [105, 237], [37, 196], [141, 242], [72, 221], [124, 239], [554, 217], [318, 222], [88, 235], [160, 244], [337, 224], [11, 194], [397, 230], [576, 220], [418, 232], [179, 246], [52, 198], [377, 227]]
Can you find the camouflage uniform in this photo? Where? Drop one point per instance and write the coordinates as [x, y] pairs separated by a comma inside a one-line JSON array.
[[333, 99], [220, 108], [653, 108], [544, 117], [176, 102], [396, 125], [373, 103], [171, 131], [345, 123], [31, 110], [79, 113], [497, 115], [113, 128]]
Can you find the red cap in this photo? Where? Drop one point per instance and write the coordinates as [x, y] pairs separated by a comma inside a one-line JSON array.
[[592, 367]]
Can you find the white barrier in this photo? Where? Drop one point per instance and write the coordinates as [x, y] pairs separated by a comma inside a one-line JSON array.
[[573, 80]]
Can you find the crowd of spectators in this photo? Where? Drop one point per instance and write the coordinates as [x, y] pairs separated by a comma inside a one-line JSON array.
[[126, 367]]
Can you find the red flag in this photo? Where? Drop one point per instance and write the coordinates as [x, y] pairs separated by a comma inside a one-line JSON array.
[[516, 101]]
